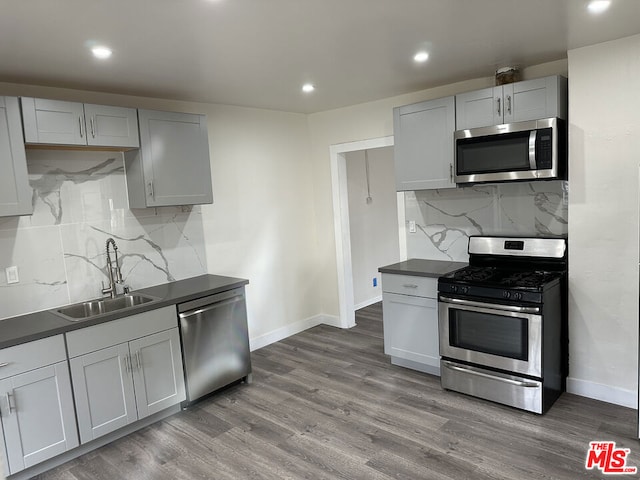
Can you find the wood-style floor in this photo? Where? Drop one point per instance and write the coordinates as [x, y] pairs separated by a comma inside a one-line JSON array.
[[327, 404]]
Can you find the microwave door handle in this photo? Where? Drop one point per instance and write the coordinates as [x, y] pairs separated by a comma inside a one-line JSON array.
[[532, 149]]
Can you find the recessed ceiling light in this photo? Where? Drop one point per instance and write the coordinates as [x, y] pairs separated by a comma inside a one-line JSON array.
[[308, 88], [101, 52], [598, 6], [421, 56]]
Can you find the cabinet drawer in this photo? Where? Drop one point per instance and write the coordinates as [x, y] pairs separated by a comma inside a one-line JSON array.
[[107, 334], [32, 355], [410, 285]]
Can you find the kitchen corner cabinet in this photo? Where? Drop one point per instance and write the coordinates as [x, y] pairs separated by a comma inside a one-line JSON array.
[[125, 370], [423, 144], [172, 166], [56, 122], [15, 192], [514, 102], [410, 321], [36, 403]]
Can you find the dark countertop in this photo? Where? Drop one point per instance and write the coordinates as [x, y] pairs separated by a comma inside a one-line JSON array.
[[34, 326], [420, 267]]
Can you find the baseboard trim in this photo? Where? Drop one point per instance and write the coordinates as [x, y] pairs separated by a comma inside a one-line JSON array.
[[605, 393], [366, 303], [281, 333]]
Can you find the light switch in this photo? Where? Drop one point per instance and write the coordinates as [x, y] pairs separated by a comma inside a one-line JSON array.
[[12, 274], [412, 226]]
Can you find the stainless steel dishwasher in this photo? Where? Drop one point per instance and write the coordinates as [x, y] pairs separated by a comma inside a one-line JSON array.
[[215, 342]]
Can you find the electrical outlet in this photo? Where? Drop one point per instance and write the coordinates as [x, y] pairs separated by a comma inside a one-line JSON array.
[[412, 226], [12, 274]]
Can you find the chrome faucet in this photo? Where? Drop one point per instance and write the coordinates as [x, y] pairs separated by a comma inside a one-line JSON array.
[[116, 284]]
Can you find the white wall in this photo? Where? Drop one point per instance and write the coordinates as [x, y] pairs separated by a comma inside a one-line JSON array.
[[373, 226], [604, 114], [261, 225]]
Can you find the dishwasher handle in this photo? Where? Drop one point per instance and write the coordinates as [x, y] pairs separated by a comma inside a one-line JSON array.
[[212, 306], [190, 308]]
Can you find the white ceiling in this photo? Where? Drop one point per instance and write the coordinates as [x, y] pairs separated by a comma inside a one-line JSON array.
[[259, 52]]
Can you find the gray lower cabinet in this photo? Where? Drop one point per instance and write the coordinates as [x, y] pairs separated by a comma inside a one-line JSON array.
[[15, 193], [125, 370], [172, 166], [38, 417], [423, 144], [56, 122], [410, 321]]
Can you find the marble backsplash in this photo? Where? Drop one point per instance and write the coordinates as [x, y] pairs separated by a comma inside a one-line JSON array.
[[80, 200], [446, 218]]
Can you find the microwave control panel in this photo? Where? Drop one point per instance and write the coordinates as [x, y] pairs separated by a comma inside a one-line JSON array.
[[544, 149]]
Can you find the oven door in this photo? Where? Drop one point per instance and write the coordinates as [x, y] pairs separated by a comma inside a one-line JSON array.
[[505, 337]]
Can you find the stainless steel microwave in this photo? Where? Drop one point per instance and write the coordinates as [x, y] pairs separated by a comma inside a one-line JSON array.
[[532, 150]]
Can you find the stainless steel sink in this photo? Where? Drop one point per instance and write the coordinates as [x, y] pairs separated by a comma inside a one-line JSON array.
[[94, 308]]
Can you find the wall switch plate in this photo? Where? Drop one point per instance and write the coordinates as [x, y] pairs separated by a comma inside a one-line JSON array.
[[12, 274], [412, 226]]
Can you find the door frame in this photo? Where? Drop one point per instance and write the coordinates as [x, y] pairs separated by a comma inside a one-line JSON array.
[[339, 190]]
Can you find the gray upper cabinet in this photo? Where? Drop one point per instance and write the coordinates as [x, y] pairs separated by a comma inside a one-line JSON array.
[[36, 404], [515, 102], [56, 122], [111, 126], [172, 166], [423, 144], [15, 193]]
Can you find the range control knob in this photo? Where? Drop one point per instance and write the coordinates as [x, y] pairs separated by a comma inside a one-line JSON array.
[[464, 289], [454, 288], [517, 296], [506, 294]]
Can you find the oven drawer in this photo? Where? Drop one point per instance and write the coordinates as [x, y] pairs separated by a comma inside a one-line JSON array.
[[498, 387], [410, 285]]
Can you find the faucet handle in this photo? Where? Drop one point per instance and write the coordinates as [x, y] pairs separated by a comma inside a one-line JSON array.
[[105, 290]]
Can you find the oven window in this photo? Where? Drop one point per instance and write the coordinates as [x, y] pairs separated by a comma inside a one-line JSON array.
[[507, 152], [487, 333]]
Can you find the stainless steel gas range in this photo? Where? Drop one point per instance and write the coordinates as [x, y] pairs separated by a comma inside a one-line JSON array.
[[502, 322]]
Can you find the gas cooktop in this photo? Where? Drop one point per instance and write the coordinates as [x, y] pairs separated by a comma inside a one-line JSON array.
[[501, 278], [508, 268]]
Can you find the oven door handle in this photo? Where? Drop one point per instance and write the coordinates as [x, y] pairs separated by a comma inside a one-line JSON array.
[[519, 383], [493, 306]]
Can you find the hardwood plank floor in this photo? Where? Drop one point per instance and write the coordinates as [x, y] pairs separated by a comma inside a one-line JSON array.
[[327, 404]]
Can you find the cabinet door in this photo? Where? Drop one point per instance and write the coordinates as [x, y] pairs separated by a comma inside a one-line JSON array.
[[38, 416], [53, 122], [411, 328], [3, 454], [423, 150], [103, 388], [111, 126], [480, 108], [15, 193], [175, 157], [533, 99], [157, 373]]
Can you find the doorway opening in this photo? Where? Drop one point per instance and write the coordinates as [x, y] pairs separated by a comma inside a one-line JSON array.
[[340, 191]]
